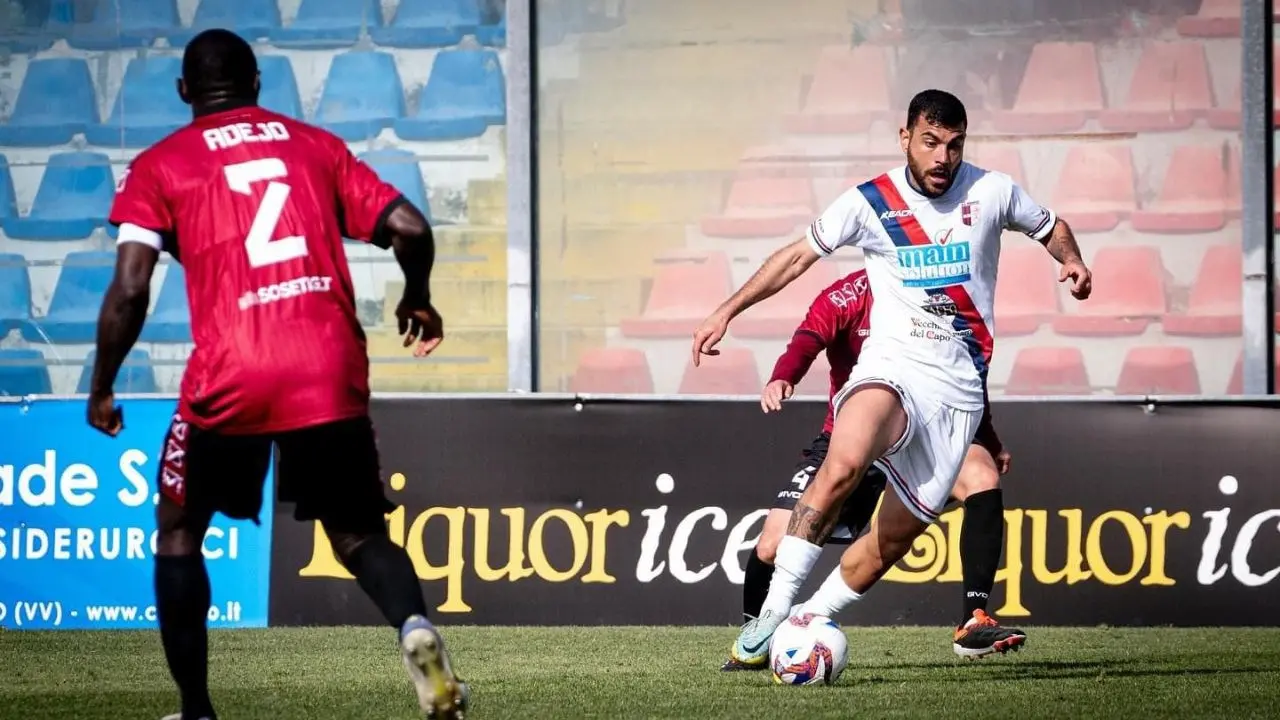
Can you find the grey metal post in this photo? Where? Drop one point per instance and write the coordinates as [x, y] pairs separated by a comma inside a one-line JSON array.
[[521, 169], [1256, 222]]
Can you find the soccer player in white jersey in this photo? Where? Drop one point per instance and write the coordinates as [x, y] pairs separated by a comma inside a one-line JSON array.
[[930, 232]]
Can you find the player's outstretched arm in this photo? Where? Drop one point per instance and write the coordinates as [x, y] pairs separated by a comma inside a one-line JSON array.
[[414, 246], [782, 267], [1061, 244], [124, 309]]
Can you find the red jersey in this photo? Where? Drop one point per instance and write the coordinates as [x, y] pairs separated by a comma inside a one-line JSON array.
[[255, 206], [839, 321]]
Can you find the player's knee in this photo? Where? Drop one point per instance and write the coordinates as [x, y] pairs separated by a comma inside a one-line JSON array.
[[178, 531], [975, 478], [767, 549], [345, 544]]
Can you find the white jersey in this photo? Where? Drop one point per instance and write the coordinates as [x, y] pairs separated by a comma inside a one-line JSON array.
[[931, 264]]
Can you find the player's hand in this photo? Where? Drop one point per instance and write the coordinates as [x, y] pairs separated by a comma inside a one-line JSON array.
[[1081, 279], [711, 332], [421, 325], [105, 415], [1003, 460], [773, 394]]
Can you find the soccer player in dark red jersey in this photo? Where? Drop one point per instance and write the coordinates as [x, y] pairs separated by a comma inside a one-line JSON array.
[[255, 206], [838, 322]]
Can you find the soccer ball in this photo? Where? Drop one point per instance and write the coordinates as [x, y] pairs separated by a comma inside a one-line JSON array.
[[808, 650]]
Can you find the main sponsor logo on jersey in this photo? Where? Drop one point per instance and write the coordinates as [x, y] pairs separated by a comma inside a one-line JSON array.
[[969, 213], [942, 263], [285, 290]]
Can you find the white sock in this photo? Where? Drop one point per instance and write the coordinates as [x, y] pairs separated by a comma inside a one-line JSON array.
[[791, 565], [832, 597]]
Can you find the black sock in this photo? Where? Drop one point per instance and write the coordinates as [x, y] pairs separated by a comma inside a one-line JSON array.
[[755, 586], [981, 541], [182, 606], [385, 573]]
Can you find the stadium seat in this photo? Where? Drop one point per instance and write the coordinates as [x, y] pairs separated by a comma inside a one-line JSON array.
[[136, 374], [465, 94], [494, 36], [850, 90], [23, 372], [362, 95], [322, 24], [1060, 91], [1200, 192], [777, 317], [1001, 157], [147, 107], [56, 102], [1128, 292], [250, 19], [170, 321], [1096, 189], [73, 199], [36, 30], [121, 24], [400, 168], [612, 370], [685, 289], [1170, 90], [1216, 302], [1026, 294], [732, 372], [8, 199], [1216, 19], [763, 207], [15, 293], [1235, 386], [73, 311], [1226, 116], [1048, 371], [279, 86], [1158, 371], [429, 23]]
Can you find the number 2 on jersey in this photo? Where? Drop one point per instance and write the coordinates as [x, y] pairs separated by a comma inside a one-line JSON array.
[[262, 250]]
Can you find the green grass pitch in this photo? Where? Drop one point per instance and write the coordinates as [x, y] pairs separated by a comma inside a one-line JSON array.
[[631, 672]]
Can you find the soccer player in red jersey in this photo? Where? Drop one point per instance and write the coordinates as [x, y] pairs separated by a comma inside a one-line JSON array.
[[255, 206], [837, 323]]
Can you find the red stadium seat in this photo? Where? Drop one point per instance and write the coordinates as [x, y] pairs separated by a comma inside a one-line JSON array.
[[686, 288], [1226, 116], [850, 90], [1235, 386], [1216, 297], [763, 207], [1061, 90], [1169, 91], [612, 370], [1096, 189], [1216, 19], [816, 382], [1026, 291], [1048, 371], [1128, 292], [1200, 192], [778, 316], [1001, 157], [732, 372], [1158, 371]]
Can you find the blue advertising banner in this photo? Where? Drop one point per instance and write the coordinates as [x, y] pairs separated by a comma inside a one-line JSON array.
[[77, 524]]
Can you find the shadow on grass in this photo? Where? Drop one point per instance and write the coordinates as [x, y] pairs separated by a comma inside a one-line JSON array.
[[1039, 670]]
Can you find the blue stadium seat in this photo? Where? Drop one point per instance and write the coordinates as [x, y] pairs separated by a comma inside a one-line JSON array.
[[73, 311], [74, 197], [362, 95], [56, 102], [8, 200], [15, 293], [136, 374], [170, 321], [429, 23], [118, 24], [493, 35], [465, 94], [322, 24], [279, 86], [147, 107], [399, 168], [23, 372], [250, 19], [38, 27]]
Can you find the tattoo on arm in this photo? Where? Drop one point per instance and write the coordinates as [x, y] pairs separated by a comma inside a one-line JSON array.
[[810, 524], [1061, 243]]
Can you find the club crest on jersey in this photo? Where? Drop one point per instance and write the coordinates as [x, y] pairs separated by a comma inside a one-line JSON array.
[[969, 213], [942, 263]]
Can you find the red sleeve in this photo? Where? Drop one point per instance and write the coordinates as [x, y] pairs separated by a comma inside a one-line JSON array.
[[140, 197], [365, 198], [815, 333]]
